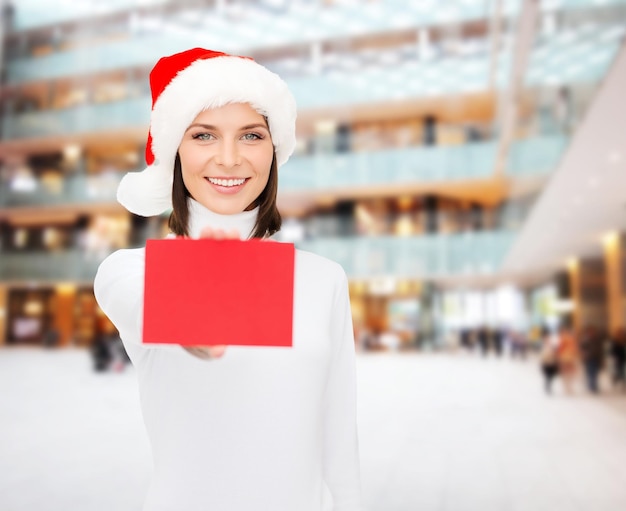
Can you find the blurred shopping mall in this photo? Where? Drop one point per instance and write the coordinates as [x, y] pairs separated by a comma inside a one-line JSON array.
[[463, 160]]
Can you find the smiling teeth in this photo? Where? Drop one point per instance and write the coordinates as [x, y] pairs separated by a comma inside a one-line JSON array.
[[227, 182]]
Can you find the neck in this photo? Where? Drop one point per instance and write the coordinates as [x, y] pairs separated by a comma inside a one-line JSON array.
[[201, 217]]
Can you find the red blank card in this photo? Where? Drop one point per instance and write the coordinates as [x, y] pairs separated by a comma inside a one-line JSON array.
[[207, 292]]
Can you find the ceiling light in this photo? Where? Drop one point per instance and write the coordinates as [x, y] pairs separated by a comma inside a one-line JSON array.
[[572, 263], [71, 152], [610, 239], [615, 157]]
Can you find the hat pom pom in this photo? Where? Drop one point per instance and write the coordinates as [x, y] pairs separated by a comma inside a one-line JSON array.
[[155, 178]]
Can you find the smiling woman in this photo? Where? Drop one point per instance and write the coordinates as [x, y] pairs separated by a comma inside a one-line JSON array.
[[240, 427], [225, 157]]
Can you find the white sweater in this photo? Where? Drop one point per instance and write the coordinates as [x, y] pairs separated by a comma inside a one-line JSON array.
[[262, 428]]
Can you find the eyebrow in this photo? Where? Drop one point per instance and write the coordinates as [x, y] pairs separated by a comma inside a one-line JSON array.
[[211, 127]]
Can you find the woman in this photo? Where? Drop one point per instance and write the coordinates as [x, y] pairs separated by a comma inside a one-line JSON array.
[[235, 428]]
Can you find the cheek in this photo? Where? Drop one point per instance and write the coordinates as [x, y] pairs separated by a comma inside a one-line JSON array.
[[263, 162], [189, 162]]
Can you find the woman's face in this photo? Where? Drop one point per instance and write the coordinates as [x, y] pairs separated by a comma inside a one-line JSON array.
[[225, 157]]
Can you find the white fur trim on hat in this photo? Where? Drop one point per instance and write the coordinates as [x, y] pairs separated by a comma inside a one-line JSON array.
[[206, 83]]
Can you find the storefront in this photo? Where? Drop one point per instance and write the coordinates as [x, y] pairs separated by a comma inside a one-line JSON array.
[[59, 315]]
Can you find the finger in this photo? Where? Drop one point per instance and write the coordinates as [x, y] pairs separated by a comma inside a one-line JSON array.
[[217, 351], [207, 232], [233, 234], [206, 352], [201, 353], [219, 234]]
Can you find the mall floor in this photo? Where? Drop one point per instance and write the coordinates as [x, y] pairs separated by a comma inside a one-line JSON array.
[[438, 432]]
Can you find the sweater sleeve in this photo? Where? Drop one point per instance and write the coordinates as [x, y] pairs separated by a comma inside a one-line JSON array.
[[341, 452], [118, 288]]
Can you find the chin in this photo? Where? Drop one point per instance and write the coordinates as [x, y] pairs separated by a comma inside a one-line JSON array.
[[225, 209]]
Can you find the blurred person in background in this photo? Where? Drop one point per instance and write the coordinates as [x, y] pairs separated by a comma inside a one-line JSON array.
[[568, 358], [518, 343], [119, 357], [483, 339], [549, 360], [466, 339], [51, 338], [101, 352], [235, 428], [592, 355], [618, 352], [497, 337], [390, 340]]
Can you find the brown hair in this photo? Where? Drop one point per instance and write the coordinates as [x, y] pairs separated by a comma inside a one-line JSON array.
[[268, 221]]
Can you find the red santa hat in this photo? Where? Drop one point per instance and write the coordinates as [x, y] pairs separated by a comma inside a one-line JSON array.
[[182, 86]]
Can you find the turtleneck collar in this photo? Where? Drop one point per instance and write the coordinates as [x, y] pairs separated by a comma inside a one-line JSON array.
[[201, 217]]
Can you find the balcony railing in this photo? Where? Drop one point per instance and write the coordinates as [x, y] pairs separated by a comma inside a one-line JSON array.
[[327, 172], [393, 166], [414, 257], [296, 24], [81, 119], [567, 56], [418, 256], [69, 265], [73, 190], [536, 155], [293, 24]]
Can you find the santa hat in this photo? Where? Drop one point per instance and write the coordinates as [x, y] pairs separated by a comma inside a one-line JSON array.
[[182, 86]]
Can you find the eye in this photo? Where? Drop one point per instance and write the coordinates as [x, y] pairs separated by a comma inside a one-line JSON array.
[[252, 136], [202, 136]]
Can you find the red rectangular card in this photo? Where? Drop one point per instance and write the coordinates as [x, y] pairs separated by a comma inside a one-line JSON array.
[[207, 292]]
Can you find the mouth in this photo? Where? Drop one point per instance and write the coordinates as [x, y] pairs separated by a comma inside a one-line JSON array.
[[228, 183], [227, 186]]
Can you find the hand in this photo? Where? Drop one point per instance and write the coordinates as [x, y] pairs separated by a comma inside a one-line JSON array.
[[219, 234], [209, 352], [206, 352]]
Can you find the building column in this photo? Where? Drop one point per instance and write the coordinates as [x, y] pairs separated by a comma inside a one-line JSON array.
[[563, 281], [615, 262], [65, 299], [587, 284]]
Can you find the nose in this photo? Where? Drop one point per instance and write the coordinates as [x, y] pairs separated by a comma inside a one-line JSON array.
[[228, 154]]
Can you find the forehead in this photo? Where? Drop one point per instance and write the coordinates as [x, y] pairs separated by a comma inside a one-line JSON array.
[[232, 114]]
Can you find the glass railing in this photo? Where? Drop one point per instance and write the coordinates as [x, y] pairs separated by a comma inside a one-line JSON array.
[[394, 14], [78, 189], [323, 172], [135, 112], [536, 155], [269, 25], [31, 14], [67, 265], [417, 256], [412, 78], [82, 119], [92, 59], [412, 165], [578, 54], [393, 166]]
